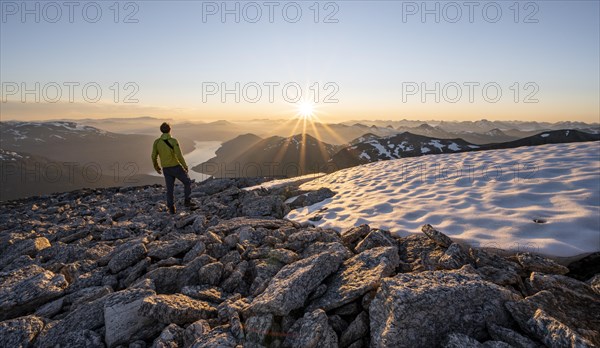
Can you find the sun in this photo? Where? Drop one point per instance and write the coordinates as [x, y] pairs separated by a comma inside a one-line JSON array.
[[306, 110]]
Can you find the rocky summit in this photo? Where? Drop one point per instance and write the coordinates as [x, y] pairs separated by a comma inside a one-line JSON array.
[[112, 268]]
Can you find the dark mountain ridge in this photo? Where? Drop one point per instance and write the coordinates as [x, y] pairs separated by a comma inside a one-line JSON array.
[[411, 145]]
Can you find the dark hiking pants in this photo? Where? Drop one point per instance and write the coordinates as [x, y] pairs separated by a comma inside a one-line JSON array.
[[172, 173]]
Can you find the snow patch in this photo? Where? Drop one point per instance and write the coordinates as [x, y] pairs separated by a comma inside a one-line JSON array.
[[454, 147], [438, 144], [382, 150], [557, 183], [364, 155]]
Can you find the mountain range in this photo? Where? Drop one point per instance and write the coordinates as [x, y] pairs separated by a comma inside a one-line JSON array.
[[375, 149], [23, 175], [119, 158], [249, 155], [477, 132]]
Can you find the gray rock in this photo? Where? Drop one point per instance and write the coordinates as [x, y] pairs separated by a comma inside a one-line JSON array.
[[171, 261], [96, 277], [317, 196], [50, 309], [357, 329], [311, 331], [82, 339], [137, 344], [178, 309], [567, 286], [235, 279], [350, 309], [292, 285], [88, 316], [421, 309], [249, 234], [205, 293], [115, 233], [258, 206], [236, 328], [500, 276], [20, 332], [263, 271], [338, 324], [558, 316], [496, 344], [283, 255], [231, 240], [20, 262], [165, 249], [484, 258], [218, 337], [420, 252], [198, 249], [229, 226], [25, 289], [376, 238], [357, 276], [211, 274], [126, 258], [323, 247], [496, 269], [258, 328], [230, 260], [550, 331], [594, 282], [367, 299], [359, 344], [26, 247], [199, 224], [190, 272], [211, 237], [299, 240], [165, 279], [136, 271], [86, 295], [122, 320], [352, 236], [170, 337], [455, 257], [217, 250], [536, 263], [458, 340], [172, 279], [319, 291], [436, 236], [185, 220], [194, 331], [511, 337]]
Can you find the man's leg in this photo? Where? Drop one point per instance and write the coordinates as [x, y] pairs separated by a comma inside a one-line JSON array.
[[187, 183], [170, 183]]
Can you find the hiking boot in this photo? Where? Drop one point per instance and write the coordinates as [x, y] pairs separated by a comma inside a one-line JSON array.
[[172, 209], [189, 203]]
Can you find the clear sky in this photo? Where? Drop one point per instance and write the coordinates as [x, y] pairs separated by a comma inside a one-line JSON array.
[[369, 59]]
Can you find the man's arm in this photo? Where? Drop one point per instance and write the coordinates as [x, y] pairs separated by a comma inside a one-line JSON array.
[[179, 156], [154, 158]]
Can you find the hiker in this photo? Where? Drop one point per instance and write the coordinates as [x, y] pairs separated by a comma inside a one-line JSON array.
[[173, 166]]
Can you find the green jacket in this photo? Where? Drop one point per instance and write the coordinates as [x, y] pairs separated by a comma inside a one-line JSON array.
[[168, 157]]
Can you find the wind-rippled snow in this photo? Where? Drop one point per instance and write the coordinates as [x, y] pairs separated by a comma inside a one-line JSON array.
[[486, 199]]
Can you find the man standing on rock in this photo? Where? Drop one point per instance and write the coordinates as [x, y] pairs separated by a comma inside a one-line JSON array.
[[173, 166]]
